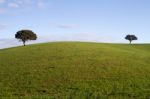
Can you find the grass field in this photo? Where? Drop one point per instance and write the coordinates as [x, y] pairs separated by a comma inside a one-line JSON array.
[[75, 70]]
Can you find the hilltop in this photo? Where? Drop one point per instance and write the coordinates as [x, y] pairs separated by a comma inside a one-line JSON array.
[[76, 70]]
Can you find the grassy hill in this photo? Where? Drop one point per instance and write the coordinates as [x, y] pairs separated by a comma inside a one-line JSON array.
[[75, 70]]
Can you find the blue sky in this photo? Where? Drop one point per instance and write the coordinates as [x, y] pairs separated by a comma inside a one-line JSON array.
[[75, 20]]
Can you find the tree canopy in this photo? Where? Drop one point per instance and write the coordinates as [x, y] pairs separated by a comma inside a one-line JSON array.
[[25, 35], [131, 38]]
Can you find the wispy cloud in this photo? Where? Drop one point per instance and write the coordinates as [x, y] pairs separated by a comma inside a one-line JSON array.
[[2, 26], [2, 1], [21, 5], [12, 42], [66, 26], [2, 10], [24, 3], [13, 5], [41, 4], [6, 43]]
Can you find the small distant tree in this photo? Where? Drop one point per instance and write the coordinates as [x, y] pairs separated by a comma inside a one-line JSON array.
[[131, 38], [25, 35]]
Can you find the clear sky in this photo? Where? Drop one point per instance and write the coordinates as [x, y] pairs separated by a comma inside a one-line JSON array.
[[75, 20]]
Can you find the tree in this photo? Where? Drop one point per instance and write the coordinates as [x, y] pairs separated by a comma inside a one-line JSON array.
[[131, 38], [25, 35]]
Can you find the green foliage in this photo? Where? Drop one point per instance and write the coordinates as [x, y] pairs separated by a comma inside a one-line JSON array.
[[74, 70], [25, 35], [131, 38]]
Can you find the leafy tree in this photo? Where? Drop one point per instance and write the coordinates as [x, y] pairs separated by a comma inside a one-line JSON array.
[[25, 35], [131, 38]]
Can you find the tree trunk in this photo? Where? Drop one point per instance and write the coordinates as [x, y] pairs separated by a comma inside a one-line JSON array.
[[24, 43], [130, 41]]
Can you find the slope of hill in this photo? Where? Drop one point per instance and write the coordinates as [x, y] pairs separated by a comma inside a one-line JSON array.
[[75, 70]]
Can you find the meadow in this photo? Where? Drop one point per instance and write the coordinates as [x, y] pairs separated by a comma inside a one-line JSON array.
[[75, 70]]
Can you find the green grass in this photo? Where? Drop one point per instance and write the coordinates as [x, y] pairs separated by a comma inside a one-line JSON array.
[[75, 70]]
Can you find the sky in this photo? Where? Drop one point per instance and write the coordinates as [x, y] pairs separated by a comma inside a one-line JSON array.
[[75, 20]]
